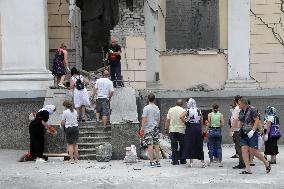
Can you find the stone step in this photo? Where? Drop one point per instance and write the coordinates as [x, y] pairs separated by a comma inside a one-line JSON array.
[[87, 157], [87, 151], [95, 128], [86, 145], [94, 139], [92, 123], [91, 133]]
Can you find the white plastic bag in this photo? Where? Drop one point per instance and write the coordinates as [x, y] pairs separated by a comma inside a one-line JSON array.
[[260, 143], [131, 154]]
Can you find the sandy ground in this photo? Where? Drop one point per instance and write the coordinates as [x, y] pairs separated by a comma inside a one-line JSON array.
[[116, 174]]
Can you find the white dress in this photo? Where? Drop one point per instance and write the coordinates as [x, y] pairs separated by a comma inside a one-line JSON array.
[[81, 97]]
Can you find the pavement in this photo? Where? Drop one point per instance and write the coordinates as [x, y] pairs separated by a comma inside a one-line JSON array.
[[116, 174]]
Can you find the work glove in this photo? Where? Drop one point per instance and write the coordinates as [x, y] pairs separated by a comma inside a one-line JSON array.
[[141, 133], [250, 134], [110, 51], [266, 137]]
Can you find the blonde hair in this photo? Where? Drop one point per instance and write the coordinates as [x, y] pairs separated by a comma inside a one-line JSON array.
[[63, 46]]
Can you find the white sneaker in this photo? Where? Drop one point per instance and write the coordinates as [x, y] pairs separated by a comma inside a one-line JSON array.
[[150, 164], [40, 160]]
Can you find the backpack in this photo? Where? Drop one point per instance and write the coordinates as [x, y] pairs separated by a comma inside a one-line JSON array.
[[79, 84]]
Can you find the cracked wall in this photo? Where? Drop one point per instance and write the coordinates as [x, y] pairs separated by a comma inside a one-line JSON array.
[[130, 32], [267, 43]]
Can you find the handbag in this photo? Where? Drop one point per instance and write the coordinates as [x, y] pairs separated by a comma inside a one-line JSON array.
[[275, 131]]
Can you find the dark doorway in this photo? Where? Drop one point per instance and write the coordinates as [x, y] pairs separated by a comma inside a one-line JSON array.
[[98, 18]]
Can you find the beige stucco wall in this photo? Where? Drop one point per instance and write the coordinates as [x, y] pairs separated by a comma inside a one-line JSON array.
[[133, 62], [223, 24], [186, 71], [59, 30], [161, 34], [0, 45], [267, 47]]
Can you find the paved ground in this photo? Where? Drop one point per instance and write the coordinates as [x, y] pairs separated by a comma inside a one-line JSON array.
[[116, 174]]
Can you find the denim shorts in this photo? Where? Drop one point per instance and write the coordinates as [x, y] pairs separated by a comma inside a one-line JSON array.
[[250, 142], [102, 106]]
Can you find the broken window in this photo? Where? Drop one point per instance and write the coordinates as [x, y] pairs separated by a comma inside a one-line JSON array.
[[192, 24]]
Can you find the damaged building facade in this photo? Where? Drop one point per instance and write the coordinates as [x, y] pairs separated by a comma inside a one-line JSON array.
[[163, 40], [171, 47]]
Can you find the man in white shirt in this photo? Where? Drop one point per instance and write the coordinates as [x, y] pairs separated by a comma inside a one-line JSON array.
[[103, 91], [235, 132]]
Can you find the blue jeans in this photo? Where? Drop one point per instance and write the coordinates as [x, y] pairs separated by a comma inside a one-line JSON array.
[[215, 143]]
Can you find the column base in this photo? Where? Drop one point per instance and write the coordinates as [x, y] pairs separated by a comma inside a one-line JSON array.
[[241, 85], [25, 81]]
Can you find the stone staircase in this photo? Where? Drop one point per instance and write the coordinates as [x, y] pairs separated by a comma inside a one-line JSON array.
[[91, 135]]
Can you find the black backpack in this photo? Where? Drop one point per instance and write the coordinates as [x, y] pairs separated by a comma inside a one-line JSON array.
[[79, 84]]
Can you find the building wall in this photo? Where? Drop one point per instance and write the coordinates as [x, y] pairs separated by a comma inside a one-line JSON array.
[[14, 122], [267, 43], [223, 24], [0, 45], [181, 72], [133, 62], [59, 30], [192, 24]]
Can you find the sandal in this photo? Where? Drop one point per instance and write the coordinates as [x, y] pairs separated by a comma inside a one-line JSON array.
[[268, 168], [245, 173], [62, 86]]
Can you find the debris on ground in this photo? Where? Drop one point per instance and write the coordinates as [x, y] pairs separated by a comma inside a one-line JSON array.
[[104, 152]]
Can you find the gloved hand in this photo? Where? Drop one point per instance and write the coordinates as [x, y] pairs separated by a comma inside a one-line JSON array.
[[266, 137], [141, 133], [110, 51], [51, 130], [250, 134]]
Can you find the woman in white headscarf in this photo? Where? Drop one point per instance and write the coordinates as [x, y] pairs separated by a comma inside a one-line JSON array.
[[36, 130], [193, 140]]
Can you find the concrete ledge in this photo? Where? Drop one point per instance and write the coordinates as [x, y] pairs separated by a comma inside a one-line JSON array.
[[212, 94], [21, 94]]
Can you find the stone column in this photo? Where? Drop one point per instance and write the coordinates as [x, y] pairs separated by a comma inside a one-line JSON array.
[[24, 32], [239, 46]]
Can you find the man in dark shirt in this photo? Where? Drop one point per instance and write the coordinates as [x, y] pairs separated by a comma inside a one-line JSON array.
[[249, 119], [113, 56]]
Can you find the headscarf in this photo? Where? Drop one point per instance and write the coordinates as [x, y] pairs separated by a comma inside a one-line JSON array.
[[49, 108], [191, 103], [270, 111]]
